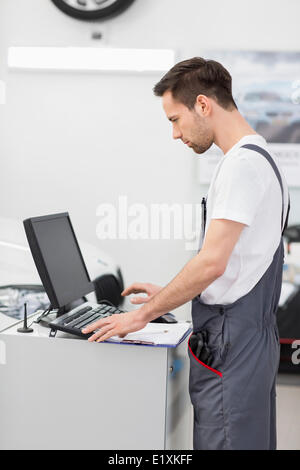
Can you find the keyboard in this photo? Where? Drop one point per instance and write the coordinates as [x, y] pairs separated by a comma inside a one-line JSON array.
[[83, 316]]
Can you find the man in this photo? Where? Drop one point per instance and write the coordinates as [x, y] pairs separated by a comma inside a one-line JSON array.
[[235, 279]]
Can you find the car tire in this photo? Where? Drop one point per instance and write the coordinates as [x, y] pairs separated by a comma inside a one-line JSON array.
[[107, 9]]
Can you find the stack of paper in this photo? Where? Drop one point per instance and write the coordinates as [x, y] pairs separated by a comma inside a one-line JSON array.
[[156, 334]]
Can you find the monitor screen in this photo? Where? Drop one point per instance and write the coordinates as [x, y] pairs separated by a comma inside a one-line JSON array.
[[58, 258]]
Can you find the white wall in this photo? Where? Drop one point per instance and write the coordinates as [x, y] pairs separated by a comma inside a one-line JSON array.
[[69, 141]]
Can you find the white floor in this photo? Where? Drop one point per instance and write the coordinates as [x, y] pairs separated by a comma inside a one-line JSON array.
[[288, 412]]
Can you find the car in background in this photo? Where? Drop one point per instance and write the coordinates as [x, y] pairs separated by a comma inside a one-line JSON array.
[[271, 113]]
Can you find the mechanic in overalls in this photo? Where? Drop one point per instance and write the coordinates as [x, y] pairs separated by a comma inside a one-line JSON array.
[[234, 281]]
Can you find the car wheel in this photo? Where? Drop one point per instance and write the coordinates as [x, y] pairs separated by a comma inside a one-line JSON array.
[[90, 10]]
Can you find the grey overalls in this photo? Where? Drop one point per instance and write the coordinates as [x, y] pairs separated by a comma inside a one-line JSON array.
[[234, 398]]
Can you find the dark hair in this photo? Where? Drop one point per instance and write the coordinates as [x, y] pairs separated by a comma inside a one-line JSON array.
[[192, 77]]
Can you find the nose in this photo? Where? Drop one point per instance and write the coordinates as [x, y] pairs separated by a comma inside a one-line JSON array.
[[176, 133]]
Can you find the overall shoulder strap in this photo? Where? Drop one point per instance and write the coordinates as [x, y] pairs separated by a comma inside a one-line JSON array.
[[265, 154]]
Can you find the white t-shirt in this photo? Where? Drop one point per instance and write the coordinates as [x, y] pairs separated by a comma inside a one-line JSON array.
[[244, 188]]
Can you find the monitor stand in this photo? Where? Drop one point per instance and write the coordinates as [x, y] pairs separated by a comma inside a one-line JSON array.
[[61, 311], [76, 303]]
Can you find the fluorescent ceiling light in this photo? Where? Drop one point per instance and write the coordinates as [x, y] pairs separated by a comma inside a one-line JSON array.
[[90, 58]]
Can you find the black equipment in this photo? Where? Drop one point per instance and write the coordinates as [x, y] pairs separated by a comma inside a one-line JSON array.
[[288, 318], [62, 270], [199, 346], [64, 275], [58, 258], [288, 321]]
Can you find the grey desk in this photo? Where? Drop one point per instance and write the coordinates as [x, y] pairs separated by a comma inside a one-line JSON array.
[[66, 393]]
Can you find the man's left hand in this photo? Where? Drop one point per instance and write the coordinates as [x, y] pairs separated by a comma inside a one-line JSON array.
[[118, 324]]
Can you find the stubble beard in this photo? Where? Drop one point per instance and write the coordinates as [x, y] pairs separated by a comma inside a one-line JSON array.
[[203, 139], [199, 149]]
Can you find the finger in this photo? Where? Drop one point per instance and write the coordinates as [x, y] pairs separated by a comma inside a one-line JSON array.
[[132, 290], [96, 325], [135, 288], [100, 333], [139, 300], [108, 335]]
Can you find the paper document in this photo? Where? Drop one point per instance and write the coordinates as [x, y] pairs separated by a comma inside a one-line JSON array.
[[156, 334]]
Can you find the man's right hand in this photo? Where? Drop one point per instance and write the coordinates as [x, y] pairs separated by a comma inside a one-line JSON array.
[[138, 288]]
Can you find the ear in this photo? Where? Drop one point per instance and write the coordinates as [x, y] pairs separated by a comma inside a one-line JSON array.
[[203, 105]]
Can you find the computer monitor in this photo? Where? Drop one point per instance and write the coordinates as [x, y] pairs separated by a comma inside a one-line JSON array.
[[58, 258]]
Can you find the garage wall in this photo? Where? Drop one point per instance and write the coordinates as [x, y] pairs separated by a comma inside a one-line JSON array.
[[70, 141]]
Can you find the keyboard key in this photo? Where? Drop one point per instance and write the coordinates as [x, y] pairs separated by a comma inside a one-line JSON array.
[[112, 309], [91, 320], [87, 321], [106, 308], [77, 315], [101, 309], [81, 318]]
